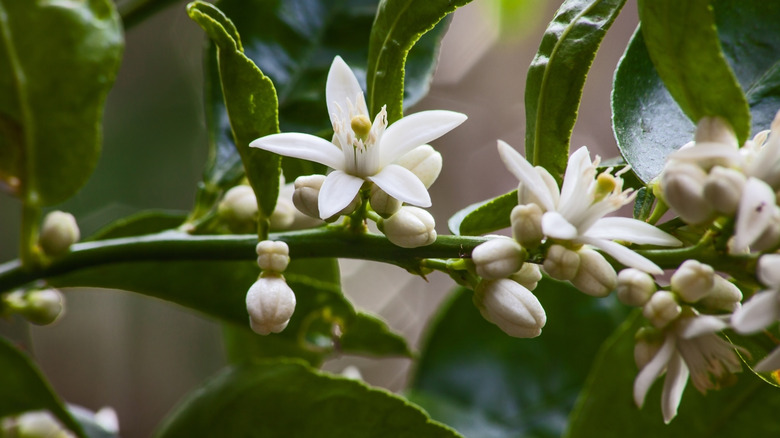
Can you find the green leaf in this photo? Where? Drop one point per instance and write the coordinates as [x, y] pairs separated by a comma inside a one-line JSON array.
[[606, 408], [557, 75], [251, 103], [649, 124], [484, 217], [58, 61], [145, 222], [498, 386], [286, 398], [23, 388], [683, 44], [397, 27]]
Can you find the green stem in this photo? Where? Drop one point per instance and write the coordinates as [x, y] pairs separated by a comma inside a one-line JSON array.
[[29, 253], [177, 246]]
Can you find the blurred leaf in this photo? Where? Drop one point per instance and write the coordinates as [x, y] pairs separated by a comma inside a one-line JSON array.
[[606, 406], [134, 12], [643, 204], [683, 44], [649, 124], [286, 398], [556, 76], [23, 388], [368, 334], [145, 222], [511, 387], [397, 27], [58, 61], [251, 103], [484, 217], [755, 348]]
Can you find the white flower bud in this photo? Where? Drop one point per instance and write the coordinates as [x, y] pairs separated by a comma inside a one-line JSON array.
[[724, 295], [527, 225], [498, 258], [510, 306], [715, 130], [382, 203], [35, 424], [58, 232], [528, 275], [423, 161], [661, 309], [43, 306], [351, 372], [283, 215], [768, 270], [683, 190], [723, 189], [273, 256], [561, 263], [634, 287], [410, 227], [270, 303], [595, 276], [693, 280], [307, 193], [239, 209]]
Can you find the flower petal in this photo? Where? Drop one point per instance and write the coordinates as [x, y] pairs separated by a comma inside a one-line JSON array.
[[525, 172], [304, 146], [631, 230], [756, 209], [757, 313], [769, 270], [676, 378], [402, 184], [644, 380], [556, 226], [577, 180], [342, 85], [415, 130], [338, 190], [769, 363], [701, 325], [622, 254]]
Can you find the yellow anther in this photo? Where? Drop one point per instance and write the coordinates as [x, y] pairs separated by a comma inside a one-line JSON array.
[[605, 184], [361, 126]]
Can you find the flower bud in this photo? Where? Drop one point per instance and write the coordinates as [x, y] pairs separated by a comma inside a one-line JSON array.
[[715, 130], [307, 193], [40, 307], [423, 161], [634, 287], [561, 263], [724, 295], [768, 270], [528, 275], [382, 203], [661, 309], [683, 190], [273, 256], [34, 424], [58, 232], [239, 209], [693, 280], [283, 215], [510, 306], [723, 189], [410, 227], [498, 258], [527, 225], [595, 276], [270, 303]]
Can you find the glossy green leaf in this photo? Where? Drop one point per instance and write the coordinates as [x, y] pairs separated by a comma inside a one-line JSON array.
[[557, 75], [397, 27], [484, 217], [606, 407], [498, 386], [251, 103], [285, 398], [23, 388], [649, 124], [683, 44], [53, 85]]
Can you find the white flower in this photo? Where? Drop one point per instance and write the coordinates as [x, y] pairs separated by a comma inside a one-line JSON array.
[[361, 150], [576, 212], [692, 348]]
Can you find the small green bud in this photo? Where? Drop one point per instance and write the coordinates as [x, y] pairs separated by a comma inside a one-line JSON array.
[[58, 232]]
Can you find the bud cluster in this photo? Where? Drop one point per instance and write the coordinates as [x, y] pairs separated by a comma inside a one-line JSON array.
[[38, 306]]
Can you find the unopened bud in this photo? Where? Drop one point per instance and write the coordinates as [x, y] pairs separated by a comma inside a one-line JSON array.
[[283, 215], [768, 270], [683, 190], [724, 295], [40, 307], [693, 280], [510, 306], [527, 225], [307, 193], [58, 232], [498, 258], [270, 303], [410, 227], [34, 424], [661, 309], [382, 203], [715, 130], [561, 263], [634, 287], [528, 275], [723, 189], [423, 161], [595, 276], [238, 209], [273, 256]]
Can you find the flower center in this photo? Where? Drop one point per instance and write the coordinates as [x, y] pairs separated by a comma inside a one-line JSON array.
[[361, 126], [605, 184]]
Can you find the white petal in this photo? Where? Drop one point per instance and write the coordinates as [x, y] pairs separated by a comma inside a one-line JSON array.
[[402, 184], [415, 130], [769, 363], [342, 85], [703, 151], [769, 270], [701, 325], [556, 226], [631, 230], [338, 190], [756, 210], [525, 172], [577, 179], [622, 254], [644, 380], [304, 146], [676, 378], [757, 313]]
